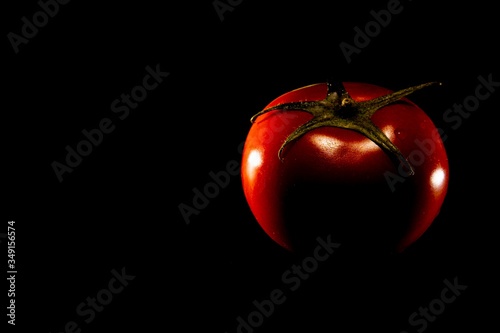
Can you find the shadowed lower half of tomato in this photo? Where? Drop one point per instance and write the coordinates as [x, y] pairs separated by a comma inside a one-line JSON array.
[[352, 160]]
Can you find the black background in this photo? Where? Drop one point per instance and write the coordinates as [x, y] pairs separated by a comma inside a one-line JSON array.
[[119, 207]]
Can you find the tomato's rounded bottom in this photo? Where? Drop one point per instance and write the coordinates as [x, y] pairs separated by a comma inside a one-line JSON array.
[[364, 218]]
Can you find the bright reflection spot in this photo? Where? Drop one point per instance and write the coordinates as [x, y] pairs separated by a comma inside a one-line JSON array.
[[326, 142], [389, 132], [361, 143], [254, 161], [437, 178]]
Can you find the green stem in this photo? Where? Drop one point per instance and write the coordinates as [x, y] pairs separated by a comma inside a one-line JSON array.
[[339, 110]]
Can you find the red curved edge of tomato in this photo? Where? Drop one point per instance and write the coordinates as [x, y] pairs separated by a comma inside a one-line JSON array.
[[333, 155]]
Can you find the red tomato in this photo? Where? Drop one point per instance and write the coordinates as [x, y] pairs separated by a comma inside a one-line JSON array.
[[354, 160]]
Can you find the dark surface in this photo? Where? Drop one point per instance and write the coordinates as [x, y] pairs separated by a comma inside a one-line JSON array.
[[119, 207]]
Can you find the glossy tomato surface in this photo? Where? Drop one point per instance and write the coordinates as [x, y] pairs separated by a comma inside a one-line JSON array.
[[336, 181]]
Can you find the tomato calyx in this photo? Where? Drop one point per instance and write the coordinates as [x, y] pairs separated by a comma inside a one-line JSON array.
[[338, 109]]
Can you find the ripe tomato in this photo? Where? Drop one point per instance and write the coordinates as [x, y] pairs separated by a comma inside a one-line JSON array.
[[352, 160]]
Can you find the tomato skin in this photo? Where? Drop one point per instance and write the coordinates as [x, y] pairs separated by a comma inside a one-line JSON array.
[[334, 180]]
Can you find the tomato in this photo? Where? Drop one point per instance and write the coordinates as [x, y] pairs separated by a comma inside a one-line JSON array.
[[355, 161]]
